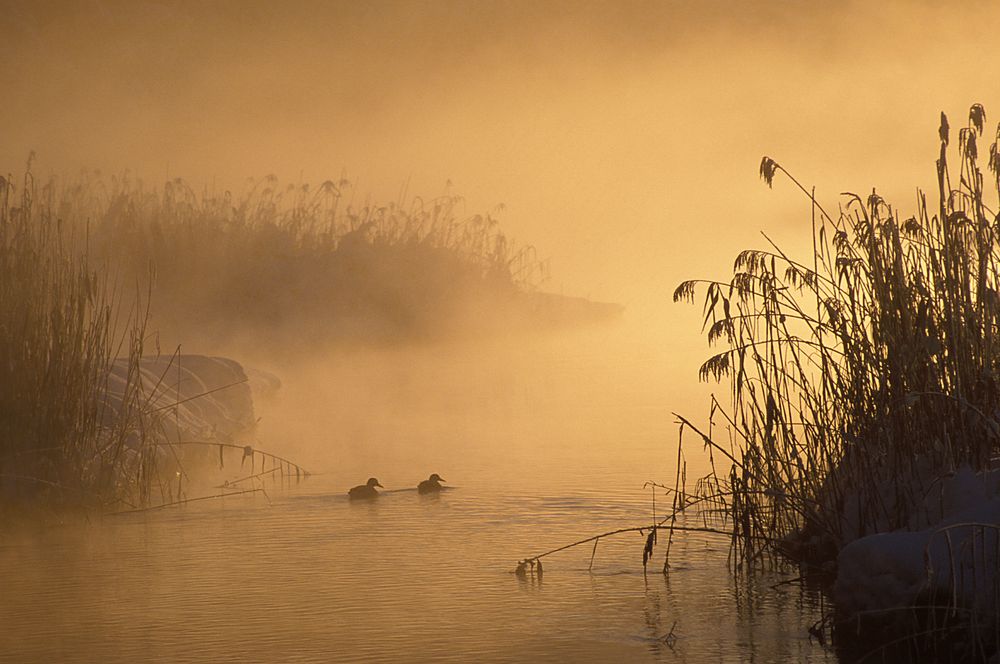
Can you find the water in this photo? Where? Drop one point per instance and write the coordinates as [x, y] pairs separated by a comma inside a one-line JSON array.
[[543, 447]]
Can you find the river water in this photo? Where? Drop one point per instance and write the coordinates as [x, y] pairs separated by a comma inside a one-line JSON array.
[[542, 446]]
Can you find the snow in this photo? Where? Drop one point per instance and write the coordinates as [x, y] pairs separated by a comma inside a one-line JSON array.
[[953, 560]]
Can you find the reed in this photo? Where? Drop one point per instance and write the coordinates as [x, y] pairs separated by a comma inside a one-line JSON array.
[[279, 259], [299, 257], [862, 374], [61, 328], [82, 419]]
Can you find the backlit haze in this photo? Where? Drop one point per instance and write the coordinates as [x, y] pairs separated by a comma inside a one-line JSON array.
[[622, 138], [623, 141]]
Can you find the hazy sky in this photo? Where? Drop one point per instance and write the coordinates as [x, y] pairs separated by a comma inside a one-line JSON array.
[[622, 137]]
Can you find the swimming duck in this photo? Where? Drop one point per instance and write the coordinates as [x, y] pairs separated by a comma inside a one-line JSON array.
[[431, 485], [365, 490]]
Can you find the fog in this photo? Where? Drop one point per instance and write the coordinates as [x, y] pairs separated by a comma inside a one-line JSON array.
[[622, 140]]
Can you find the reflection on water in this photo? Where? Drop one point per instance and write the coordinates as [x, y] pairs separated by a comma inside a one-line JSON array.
[[307, 575]]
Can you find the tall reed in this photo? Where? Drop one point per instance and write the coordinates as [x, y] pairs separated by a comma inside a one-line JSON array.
[[60, 330], [302, 257], [863, 373]]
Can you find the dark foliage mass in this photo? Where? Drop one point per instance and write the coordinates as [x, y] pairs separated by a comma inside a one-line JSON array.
[[862, 374]]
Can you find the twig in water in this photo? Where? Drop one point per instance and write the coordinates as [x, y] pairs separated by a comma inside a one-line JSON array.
[[242, 448], [189, 500], [670, 639], [229, 483], [678, 504], [635, 529]]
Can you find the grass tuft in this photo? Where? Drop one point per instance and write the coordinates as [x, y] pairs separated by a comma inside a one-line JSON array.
[[862, 375], [61, 328]]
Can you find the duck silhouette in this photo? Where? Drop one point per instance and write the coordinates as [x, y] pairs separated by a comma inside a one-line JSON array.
[[365, 490], [431, 485]]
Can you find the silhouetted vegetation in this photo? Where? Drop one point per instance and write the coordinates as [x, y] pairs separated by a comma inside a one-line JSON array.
[[85, 419], [858, 377], [862, 375], [61, 327]]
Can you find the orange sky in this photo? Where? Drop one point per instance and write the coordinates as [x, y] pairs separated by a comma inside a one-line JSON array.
[[622, 137]]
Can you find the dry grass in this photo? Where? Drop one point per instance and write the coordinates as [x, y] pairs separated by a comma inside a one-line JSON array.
[[863, 373], [61, 327], [293, 261], [82, 418], [300, 261]]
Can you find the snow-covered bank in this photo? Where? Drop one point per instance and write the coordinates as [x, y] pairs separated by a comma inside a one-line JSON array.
[[949, 571]]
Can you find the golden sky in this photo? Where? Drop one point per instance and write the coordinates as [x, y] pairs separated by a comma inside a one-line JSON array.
[[623, 138]]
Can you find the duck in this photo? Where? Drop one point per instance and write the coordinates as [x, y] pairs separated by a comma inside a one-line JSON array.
[[365, 490], [431, 484]]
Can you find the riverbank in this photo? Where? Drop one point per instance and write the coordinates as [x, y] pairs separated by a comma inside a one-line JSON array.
[[864, 376]]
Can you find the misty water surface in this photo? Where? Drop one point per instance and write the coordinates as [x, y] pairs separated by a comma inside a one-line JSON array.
[[544, 443]]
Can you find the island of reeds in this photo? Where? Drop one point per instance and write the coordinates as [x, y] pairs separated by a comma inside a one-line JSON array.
[[862, 423], [301, 264], [103, 280]]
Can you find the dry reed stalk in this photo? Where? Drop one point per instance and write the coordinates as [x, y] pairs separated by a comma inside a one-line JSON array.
[[860, 375], [60, 330], [68, 436]]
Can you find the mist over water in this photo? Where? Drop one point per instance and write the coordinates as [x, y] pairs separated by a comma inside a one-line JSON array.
[[521, 434], [622, 141], [493, 405]]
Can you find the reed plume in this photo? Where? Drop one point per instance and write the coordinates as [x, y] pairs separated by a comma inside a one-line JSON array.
[[860, 375]]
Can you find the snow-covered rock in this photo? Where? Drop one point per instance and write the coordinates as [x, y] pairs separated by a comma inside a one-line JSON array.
[[200, 397], [953, 561]]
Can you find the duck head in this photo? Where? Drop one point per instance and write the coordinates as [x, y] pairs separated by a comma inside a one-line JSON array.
[[372, 483], [437, 478]]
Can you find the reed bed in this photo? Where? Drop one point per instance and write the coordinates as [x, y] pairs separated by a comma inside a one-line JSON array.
[[864, 395], [82, 420], [61, 327], [863, 374], [302, 259]]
